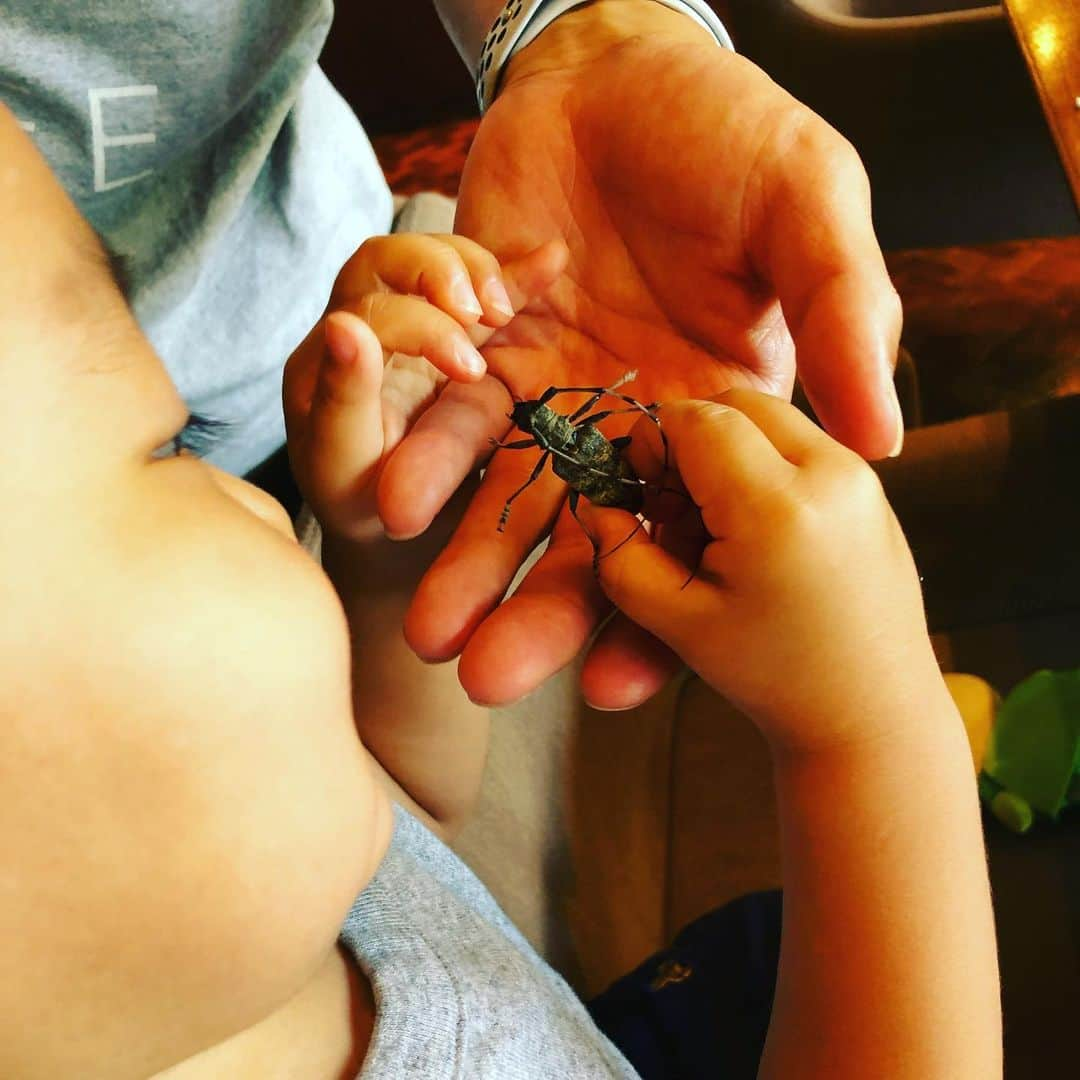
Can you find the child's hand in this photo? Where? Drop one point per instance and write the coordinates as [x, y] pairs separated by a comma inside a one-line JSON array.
[[430, 299], [805, 609]]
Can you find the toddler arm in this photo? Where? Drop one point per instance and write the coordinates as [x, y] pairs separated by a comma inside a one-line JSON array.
[[805, 611], [405, 318]]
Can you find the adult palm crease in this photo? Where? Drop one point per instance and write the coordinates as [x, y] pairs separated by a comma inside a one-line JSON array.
[[718, 232]]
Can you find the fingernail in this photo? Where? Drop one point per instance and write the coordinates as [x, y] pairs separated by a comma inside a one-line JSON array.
[[470, 359], [340, 344], [499, 298], [899, 444], [465, 298]]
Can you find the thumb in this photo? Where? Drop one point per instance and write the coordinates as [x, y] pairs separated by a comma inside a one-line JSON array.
[[649, 584], [840, 305], [345, 428]]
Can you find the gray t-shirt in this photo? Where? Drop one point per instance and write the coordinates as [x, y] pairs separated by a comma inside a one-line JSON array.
[[205, 146], [459, 992]]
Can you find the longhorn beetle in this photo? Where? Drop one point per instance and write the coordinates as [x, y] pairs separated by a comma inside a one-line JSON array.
[[580, 454]]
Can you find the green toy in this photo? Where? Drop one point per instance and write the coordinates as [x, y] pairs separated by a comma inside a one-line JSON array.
[[1032, 762]]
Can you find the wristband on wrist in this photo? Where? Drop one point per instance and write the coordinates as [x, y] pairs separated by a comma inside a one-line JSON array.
[[522, 21]]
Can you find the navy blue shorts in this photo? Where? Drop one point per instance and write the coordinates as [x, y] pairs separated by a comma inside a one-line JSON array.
[[701, 1007]]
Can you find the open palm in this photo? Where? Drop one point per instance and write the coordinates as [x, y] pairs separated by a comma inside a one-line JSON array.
[[718, 231]]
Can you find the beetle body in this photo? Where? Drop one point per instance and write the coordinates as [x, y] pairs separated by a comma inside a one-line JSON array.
[[580, 454]]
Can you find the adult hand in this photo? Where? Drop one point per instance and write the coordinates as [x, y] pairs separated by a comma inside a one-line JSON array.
[[719, 234]]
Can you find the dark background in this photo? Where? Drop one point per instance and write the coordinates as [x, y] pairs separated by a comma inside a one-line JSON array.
[[399, 70], [948, 123]]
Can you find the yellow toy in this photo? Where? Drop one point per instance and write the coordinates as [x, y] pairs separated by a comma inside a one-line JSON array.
[[1026, 748]]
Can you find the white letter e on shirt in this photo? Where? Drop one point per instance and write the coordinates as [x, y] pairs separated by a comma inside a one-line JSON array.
[[102, 140]]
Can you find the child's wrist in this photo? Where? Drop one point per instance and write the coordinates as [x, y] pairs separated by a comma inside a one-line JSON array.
[[883, 724]]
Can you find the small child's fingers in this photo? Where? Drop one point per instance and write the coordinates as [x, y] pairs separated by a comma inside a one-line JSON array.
[[649, 584], [528, 277], [345, 432], [486, 276], [725, 461], [407, 324], [504, 289], [520, 277], [451, 272], [791, 431]]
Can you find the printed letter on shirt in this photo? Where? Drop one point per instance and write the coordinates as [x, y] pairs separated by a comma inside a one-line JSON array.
[[103, 140]]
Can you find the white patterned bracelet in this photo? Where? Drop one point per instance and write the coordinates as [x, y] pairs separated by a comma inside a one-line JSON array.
[[522, 21]]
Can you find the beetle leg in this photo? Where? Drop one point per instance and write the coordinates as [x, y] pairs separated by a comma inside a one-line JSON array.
[[521, 444], [579, 412], [633, 406], [597, 417], [649, 410], [597, 393], [548, 394], [625, 540], [667, 491], [573, 500], [534, 476]]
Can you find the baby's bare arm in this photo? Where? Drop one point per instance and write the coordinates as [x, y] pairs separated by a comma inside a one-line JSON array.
[[887, 965], [428, 738], [348, 404], [805, 611]]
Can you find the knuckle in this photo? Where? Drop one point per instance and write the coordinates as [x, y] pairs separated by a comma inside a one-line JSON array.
[[451, 264], [807, 136], [720, 418], [787, 512], [375, 248], [893, 306], [735, 398], [828, 145], [863, 483], [358, 267], [850, 480], [473, 253]]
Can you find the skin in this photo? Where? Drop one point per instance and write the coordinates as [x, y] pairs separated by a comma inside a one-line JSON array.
[[197, 686], [802, 563], [185, 727], [178, 686], [176, 701], [724, 249], [403, 312], [888, 965]]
